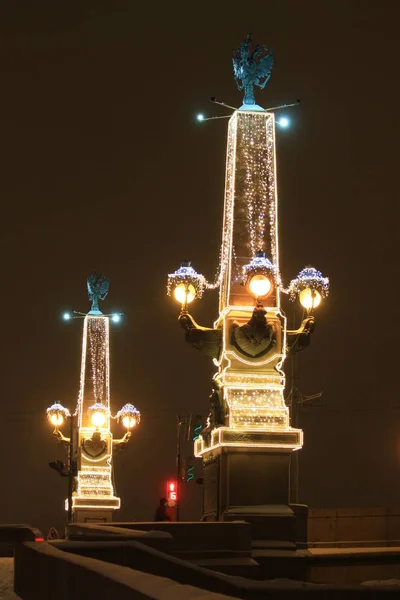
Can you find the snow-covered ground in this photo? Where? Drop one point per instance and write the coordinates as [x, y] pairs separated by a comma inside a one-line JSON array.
[[7, 579]]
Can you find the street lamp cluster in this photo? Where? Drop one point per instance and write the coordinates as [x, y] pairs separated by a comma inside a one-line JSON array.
[[128, 416], [259, 280]]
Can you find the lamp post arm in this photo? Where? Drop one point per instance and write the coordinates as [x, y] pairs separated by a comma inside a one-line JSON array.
[[60, 437], [205, 339], [307, 326], [124, 440], [300, 338]]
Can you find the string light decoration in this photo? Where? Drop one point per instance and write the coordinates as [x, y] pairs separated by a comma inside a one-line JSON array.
[[309, 278], [98, 334], [250, 213], [226, 247], [256, 408], [94, 483], [290, 439], [95, 367]]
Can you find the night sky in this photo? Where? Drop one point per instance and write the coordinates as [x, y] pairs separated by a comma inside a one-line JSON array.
[[103, 165]]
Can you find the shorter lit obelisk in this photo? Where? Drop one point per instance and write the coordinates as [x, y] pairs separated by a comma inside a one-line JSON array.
[[91, 443]]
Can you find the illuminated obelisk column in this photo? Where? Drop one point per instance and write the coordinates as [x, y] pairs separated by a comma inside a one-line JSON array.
[[94, 497], [246, 459]]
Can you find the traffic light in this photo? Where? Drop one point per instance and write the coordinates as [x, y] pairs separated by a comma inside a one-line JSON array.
[[172, 491], [197, 427], [190, 473], [189, 469], [60, 467]]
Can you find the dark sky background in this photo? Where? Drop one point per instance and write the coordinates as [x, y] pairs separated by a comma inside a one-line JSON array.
[[103, 165]]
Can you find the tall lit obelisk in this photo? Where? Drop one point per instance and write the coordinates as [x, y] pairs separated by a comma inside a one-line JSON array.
[[251, 448], [248, 440]]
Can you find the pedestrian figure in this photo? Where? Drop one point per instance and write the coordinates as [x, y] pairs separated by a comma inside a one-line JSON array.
[[161, 512]]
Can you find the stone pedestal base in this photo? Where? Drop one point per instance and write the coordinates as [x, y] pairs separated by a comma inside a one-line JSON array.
[[94, 510], [251, 484], [243, 477], [84, 515]]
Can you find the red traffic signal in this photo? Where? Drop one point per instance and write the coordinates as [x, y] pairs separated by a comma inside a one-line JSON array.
[[172, 491]]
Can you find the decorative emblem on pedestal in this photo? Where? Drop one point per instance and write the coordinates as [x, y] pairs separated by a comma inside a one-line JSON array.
[[94, 446], [256, 337]]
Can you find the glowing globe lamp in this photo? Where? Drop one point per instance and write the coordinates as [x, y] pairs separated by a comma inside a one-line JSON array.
[[98, 418], [57, 414], [129, 421], [116, 318], [200, 117], [309, 298], [184, 294], [66, 316], [259, 286], [56, 419], [129, 416]]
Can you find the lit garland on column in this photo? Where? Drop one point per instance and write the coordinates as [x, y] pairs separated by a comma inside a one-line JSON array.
[[226, 248], [254, 408], [99, 350], [250, 216]]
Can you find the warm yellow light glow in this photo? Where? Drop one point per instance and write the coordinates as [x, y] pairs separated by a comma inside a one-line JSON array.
[[129, 422], [184, 293], [260, 286], [98, 418], [56, 419], [309, 298]]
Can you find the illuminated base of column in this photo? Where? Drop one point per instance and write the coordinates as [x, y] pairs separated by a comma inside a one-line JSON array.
[[246, 477], [94, 510], [285, 439], [94, 503]]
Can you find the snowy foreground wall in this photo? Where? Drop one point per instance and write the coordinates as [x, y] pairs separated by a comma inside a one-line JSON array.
[[45, 572]]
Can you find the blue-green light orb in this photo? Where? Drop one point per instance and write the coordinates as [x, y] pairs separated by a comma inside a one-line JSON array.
[[284, 122]]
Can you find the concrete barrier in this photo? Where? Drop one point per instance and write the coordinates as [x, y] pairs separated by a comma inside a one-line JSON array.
[[198, 539], [353, 527], [14, 534], [161, 540], [221, 546], [143, 558], [43, 572]]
